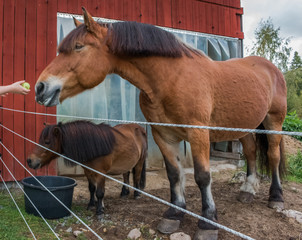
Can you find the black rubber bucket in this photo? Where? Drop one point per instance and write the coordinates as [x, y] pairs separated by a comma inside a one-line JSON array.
[[49, 207]]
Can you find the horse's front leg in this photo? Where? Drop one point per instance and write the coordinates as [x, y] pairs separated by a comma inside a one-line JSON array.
[[251, 185], [100, 192], [170, 150], [200, 147]]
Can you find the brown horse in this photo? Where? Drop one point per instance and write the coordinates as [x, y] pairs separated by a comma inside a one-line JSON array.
[[180, 85], [110, 150]]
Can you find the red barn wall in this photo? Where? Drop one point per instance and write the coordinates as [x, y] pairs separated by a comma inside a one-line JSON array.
[[28, 44]]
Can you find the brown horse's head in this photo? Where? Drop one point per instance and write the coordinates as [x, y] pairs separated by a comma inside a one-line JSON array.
[[82, 63], [51, 138]]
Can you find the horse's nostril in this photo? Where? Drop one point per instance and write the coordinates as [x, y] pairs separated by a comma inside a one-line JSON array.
[[40, 88]]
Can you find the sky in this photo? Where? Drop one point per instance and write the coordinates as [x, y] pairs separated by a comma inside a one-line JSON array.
[[286, 14]]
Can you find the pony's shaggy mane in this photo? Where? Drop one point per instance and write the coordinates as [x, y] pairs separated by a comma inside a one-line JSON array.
[[134, 39], [83, 141]]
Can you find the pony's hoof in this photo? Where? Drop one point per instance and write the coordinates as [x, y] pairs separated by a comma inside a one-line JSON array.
[[100, 217], [279, 205], [137, 197], [206, 235], [245, 197], [168, 226], [89, 207]]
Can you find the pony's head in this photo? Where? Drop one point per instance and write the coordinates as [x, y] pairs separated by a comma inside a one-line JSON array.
[[50, 138], [82, 63]]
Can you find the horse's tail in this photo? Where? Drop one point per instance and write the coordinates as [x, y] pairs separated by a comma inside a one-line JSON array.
[[262, 148]]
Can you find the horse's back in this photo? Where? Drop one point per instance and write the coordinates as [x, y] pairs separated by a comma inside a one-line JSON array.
[[244, 92]]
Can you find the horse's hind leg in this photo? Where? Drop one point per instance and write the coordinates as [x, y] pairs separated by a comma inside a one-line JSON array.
[[125, 190], [251, 184], [275, 158]]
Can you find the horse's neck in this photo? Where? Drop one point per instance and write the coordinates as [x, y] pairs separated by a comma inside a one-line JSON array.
[[138, 72]]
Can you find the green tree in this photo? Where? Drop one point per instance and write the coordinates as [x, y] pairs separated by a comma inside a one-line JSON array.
[[296, 62], [270, 45], [294, 90]]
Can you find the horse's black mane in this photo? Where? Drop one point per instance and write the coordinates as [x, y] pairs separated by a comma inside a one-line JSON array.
[[83, 141], [135, 39], [143, 40]]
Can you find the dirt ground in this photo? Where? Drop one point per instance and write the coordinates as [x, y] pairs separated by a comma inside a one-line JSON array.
[[255, 220]]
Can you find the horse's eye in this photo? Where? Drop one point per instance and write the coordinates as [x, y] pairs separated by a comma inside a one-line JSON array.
[[47, 142], [79, 46]]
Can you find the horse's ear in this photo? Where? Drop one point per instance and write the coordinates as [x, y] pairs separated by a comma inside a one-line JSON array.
[[90, 24], [57, 131], [76, 22]]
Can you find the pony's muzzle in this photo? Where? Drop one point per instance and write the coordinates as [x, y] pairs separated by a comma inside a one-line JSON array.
[[33, 164]]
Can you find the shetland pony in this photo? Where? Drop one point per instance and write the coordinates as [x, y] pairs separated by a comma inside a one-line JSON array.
[[179, 85], [110, 150]]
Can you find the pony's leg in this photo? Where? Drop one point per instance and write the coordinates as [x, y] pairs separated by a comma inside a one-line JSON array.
[[170, 150], [92, 188], [200, 147], [251, 184], [139, 177], [100, 192], [274, 154], [125, 190]]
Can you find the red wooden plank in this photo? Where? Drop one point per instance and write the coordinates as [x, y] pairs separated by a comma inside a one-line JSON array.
[[227, 22], [30, 56], [148, 11], [215, 19], [8, 74], [221, 20], [209, 18], [41, 64], [116, 9], [164, 13], [19, 100], [199, 13], [91, 7], [1, 79], [62, 6], [131, 10], [72, 6], [182, 12], [50, 55]]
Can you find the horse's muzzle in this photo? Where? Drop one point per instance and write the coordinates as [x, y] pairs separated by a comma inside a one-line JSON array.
[[46, 95]]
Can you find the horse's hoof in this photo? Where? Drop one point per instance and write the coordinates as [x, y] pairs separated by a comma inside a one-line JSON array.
[[206, 235], [245, 197], [168, 226], [279, 205], [137, 197]]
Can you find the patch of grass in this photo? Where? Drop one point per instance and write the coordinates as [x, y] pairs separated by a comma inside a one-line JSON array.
[[295, 167], [12, 225]]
